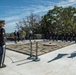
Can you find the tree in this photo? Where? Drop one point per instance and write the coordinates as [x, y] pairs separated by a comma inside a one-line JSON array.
[[31, 22], [59, 20]]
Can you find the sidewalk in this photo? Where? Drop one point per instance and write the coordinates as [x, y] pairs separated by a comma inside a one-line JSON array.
[[59, 62]]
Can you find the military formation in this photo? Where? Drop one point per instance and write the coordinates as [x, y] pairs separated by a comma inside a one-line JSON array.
[[63, 36]]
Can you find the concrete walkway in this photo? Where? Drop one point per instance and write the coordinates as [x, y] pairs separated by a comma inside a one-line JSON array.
[[59, 62]]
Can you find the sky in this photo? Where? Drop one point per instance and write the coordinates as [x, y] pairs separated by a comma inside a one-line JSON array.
[[13, 11]]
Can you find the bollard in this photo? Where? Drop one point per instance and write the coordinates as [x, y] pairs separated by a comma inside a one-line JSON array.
[[36, 57], [31, 57]]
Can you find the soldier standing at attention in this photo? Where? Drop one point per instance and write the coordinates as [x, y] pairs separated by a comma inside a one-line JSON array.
[[75, 37], [18, 36], [30, 35], [66, 36], [15, 36], [2, 44]]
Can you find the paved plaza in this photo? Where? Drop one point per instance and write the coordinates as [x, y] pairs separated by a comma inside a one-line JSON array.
[[59, 62]]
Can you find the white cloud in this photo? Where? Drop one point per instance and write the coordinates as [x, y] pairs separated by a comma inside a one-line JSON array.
[[71, 0], [11, 18], [10, 27], [43, 9], [11, 23], [65, 3]]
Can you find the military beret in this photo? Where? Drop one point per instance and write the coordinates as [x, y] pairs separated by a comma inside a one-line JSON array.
[[2, 21]]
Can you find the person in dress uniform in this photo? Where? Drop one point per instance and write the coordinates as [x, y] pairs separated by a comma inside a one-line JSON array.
[[62, 36], [15, 36], [2, 43], [66, 36], [75, 37], [71, 37], [18, 36], [30, 35]]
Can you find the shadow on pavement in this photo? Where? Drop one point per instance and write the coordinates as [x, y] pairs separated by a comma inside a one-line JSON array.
[[72, 55], [19, 61], [57, 57], [24, 63]]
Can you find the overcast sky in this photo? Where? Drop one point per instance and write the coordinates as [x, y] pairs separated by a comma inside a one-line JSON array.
[[14, 10]]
